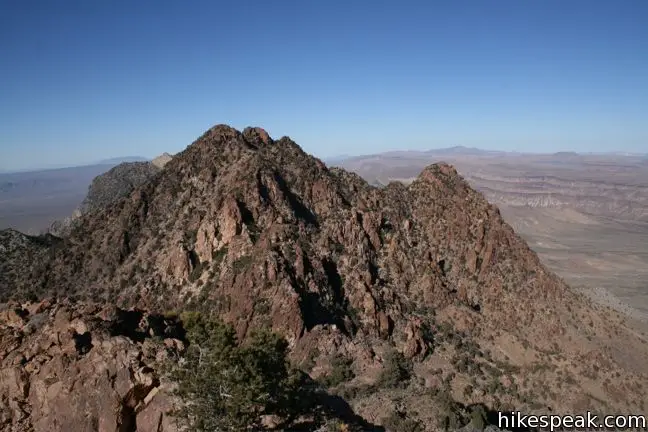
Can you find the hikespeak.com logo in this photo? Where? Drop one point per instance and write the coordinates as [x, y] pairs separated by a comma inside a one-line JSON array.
[[513, 420]]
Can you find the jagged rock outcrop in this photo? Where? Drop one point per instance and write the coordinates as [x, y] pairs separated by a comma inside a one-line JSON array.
[[264, 235], [62, 227], [162, 160], [67, 367]]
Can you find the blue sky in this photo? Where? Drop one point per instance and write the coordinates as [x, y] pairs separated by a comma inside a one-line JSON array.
[[86, 80]]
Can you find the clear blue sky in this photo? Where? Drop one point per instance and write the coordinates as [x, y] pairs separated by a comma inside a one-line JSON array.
[[86, 80]]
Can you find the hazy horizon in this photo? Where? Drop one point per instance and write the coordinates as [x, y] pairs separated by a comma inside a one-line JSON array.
[[90, 81], [333, 158]]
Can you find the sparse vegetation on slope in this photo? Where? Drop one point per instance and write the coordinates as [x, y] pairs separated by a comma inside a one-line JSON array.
[[410, 304]]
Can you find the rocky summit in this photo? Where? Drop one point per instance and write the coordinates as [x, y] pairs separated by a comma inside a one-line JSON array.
[[411, 304]]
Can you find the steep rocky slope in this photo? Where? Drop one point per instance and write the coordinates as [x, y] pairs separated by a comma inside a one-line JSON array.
[[262, 234]]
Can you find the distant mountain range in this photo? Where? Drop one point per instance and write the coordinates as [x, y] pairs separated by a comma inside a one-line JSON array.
[[110, 161], [118, 160], [396, 155], [335, 160], [462, 150]]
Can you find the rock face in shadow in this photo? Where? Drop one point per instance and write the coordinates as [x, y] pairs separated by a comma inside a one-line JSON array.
[[264, 235]]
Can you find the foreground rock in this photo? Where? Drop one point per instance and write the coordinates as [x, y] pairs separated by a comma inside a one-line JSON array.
[[83, 368]]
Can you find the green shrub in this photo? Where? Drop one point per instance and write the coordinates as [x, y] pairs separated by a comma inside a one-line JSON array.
[[190, 237], [218, 255], [340, 372], [262, 306], [309, 362], [451, 416], [242, 263], [196, 272], [228, 386], [398, 422], [478, 418], [397, 370]]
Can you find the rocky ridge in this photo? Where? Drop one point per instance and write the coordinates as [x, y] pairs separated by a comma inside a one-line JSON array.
[[264, 235], [585, 215], [117, 183]]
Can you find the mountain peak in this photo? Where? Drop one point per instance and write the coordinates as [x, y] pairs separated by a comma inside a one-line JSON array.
[[224, 133], [263, 235], [440, 169], [161, 160], [257, 135]]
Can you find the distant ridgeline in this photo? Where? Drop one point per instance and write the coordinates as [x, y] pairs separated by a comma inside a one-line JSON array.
[[108, 188]]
